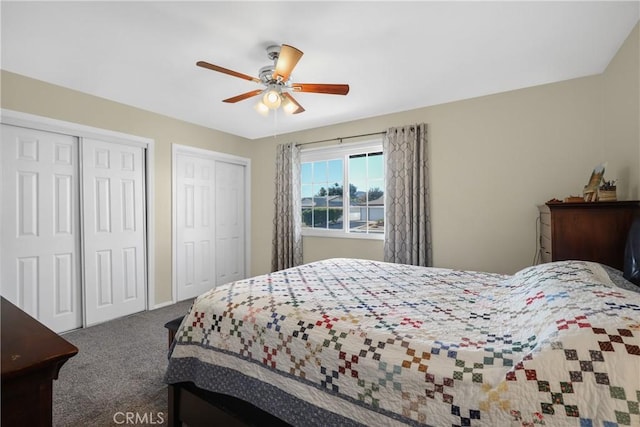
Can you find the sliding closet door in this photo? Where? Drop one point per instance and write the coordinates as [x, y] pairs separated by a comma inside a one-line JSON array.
[[195, 247], [39, 236], [230, 222], [210, 205], [114, 230]]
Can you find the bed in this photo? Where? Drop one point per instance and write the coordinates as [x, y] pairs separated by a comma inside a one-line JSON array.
[[358, 342]]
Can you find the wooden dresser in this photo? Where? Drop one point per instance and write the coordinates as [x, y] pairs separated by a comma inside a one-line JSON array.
[[586, 231], [32, 356]]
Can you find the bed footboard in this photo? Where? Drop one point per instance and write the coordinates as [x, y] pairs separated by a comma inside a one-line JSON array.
[[197, 407]]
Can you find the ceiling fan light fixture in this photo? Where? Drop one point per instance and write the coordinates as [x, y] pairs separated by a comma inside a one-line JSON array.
[[261, 108], [271, 97], [288, 106]]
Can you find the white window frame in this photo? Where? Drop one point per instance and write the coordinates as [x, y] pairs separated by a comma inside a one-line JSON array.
[[335, 152]]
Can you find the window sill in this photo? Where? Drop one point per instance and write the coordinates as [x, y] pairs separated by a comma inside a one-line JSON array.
[[342, 235]]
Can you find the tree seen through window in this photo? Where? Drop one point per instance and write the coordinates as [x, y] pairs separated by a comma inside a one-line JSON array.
[[324, 203]]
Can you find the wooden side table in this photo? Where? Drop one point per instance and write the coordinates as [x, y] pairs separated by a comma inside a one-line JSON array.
[[32, 356]]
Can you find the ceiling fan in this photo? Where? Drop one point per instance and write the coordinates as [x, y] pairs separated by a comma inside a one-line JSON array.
[[276, 80]]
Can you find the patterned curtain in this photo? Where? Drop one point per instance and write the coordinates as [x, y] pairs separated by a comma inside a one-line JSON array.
[[407, 219], [286, 245]]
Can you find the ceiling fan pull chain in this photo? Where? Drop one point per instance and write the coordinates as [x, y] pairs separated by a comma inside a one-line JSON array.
[[275, 123]]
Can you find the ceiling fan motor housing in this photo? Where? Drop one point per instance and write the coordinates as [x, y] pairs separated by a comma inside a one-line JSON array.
[[266, 74], [273, 52]]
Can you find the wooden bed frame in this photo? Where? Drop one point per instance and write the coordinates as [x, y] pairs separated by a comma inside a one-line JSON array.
[[196, 407]]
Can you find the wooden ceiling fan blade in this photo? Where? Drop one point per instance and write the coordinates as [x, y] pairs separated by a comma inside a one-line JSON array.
[[297, 107], [219, 69], [287, 60], [243, 96], [331, 89]]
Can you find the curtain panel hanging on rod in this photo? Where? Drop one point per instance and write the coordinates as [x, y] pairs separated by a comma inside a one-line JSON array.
[[407, 216], [286, 246]]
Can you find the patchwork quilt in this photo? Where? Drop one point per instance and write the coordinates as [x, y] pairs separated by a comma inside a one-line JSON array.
[[375, 343]]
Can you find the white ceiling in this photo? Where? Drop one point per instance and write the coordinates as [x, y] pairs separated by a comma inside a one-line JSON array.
[[395, 56]]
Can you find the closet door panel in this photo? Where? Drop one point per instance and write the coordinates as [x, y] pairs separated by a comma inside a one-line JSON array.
[[39, 231], [114, 230], [230, 222], [195, 232]]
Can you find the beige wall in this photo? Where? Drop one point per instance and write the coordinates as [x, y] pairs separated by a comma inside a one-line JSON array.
[[493, 160], [26, 95], [621, 114]]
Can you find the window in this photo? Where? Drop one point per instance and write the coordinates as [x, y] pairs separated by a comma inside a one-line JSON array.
[[342, 191]]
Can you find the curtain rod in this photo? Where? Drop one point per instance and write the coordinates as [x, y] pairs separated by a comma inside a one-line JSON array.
[[341, 138]]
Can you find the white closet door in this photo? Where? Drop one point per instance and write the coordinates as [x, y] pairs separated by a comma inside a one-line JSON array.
[[40, 226], [195, 226], [230, 222], [114, 230]]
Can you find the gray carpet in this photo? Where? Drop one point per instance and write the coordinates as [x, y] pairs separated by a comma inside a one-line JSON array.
[[117, 373]]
